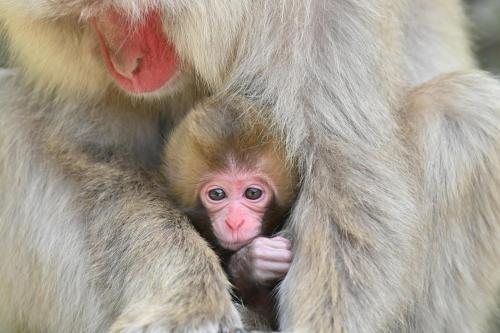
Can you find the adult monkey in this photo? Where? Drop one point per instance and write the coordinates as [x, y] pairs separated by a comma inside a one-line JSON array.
[[398, 214]]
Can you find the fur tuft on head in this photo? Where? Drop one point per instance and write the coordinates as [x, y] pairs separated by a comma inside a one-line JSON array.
[[213, 138]]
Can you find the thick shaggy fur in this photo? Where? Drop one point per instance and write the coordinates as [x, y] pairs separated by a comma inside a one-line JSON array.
[[397, 224]]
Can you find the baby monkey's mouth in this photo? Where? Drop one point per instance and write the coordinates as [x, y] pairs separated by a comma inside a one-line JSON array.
[[238, 243]]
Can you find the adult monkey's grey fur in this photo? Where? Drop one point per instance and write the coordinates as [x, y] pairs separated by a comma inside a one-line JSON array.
[[397, 223]]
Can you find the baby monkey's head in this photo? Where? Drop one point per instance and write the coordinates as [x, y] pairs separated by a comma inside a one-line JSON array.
[[230, 175]]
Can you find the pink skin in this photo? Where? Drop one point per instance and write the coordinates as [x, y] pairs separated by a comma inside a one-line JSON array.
[[237, 223], [263, 261], [138, 55]]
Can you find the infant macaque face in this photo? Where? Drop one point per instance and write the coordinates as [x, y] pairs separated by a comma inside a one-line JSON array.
[[236, 202]]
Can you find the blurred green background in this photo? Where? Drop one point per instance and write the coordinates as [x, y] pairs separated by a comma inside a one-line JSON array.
[[2, 51], [485, 29]]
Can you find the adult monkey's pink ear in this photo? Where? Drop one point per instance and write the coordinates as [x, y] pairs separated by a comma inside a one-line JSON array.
[[137, 54]]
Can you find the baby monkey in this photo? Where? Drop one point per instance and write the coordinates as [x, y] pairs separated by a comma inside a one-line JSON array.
[[231, 177]]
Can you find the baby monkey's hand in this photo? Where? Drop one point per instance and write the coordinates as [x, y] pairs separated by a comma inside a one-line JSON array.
[[263, 261]]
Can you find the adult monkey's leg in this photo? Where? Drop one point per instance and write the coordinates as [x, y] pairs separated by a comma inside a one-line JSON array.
[[455, 123]]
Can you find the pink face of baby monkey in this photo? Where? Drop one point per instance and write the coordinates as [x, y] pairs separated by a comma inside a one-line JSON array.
[[236, 202]]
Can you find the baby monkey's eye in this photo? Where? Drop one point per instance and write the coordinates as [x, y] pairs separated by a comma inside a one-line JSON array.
[[253, 193], [216, 194]]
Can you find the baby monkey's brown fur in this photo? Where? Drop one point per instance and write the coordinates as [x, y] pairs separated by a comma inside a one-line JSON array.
[[214, 133], [216, 137]]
